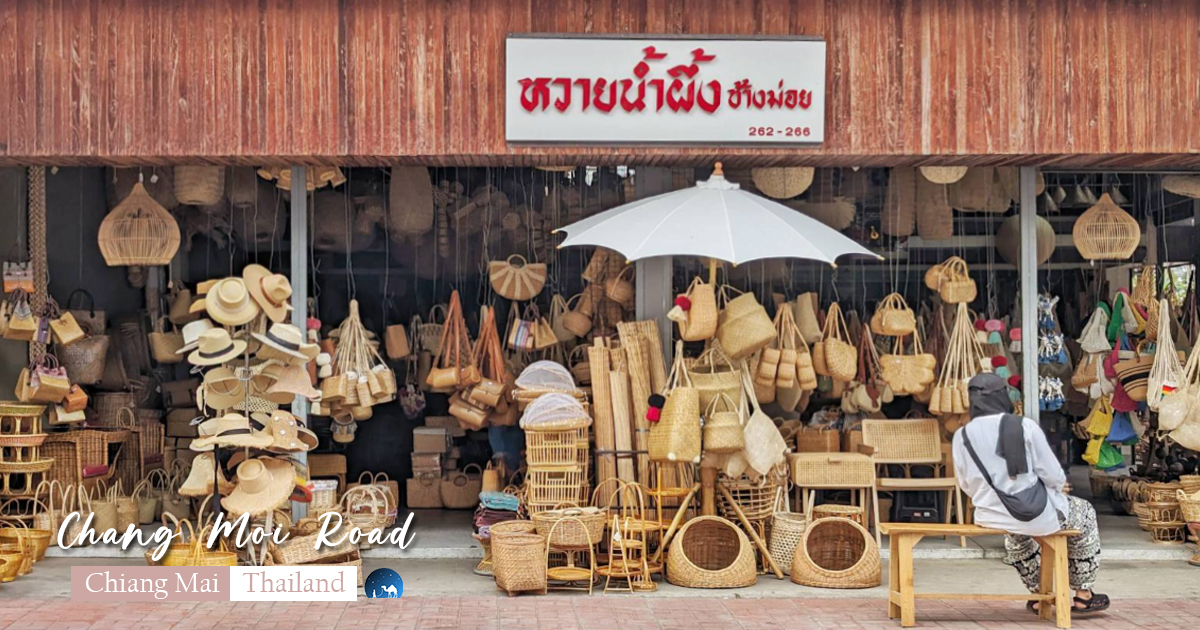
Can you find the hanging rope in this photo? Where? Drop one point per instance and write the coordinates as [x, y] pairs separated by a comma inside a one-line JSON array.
[[37, 248]]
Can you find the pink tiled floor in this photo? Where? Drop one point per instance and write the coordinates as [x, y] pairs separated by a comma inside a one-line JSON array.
[[597, 612]]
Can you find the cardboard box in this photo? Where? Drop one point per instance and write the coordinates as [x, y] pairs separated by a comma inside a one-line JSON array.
[[427, 462], [179, 423], [430, 440], [449, 423]]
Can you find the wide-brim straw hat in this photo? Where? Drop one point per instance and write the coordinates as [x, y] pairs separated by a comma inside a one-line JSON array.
[[216, 347], [288, 435], [287, 343], [191, 334], [228, 302], [222, 389], [255, 404], [293, 381], [231, 430], [263, 483], [199, 482], [272, 291], [204, 286]]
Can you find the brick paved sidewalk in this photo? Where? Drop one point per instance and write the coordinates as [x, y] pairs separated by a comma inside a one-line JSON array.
[[567, 612]]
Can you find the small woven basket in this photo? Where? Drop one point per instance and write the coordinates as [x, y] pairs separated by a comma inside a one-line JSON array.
[[576, 527], [711, 552], [1189, 506], [199, 185], [837, 553]]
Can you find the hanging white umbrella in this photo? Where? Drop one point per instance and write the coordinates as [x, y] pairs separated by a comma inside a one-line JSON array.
[[714, 219]]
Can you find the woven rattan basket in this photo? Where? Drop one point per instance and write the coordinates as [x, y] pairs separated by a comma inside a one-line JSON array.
[[577, 527], [1106, 232], [837, 553], [519, 561], [138, 232], [199, 185], [711, 552], [1189, 506], [782, 182], [787, 529]]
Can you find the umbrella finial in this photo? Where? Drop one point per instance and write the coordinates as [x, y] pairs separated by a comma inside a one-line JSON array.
[[717, 170]]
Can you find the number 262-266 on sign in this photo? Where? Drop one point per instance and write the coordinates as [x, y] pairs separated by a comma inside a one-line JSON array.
[[787, 132]]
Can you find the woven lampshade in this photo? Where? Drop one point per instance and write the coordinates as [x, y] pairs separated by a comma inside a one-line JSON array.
[[1185, 185], [1008, 240], [1106, 232], [138, 232], [782, 182], [943, 174]]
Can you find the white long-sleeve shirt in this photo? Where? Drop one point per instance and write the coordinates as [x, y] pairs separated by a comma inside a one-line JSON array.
[[989, 510]]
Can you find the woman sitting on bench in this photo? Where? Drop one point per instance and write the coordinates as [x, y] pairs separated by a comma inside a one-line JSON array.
[[1005, 465]]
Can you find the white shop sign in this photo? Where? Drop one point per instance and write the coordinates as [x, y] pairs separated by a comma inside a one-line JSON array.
[[617, 90]]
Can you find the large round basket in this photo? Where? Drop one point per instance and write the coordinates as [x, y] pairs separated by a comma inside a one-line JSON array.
[[837, 553], [711, 552]]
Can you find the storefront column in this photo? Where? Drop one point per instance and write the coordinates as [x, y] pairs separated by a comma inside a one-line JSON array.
[[299, 276], [1029, 292], [655, 295]]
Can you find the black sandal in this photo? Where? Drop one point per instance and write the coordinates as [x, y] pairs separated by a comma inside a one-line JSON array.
[[1031, 606], [1096, 604]]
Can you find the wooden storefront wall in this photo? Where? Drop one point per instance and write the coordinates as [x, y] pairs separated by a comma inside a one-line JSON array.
[[1066, 82]]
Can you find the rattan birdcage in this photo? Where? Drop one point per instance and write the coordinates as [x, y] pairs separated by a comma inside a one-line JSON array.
[[138, 232], [1106, 232]]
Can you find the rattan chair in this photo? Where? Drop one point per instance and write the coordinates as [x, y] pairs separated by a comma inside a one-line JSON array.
[[909, 443], [836, 471]]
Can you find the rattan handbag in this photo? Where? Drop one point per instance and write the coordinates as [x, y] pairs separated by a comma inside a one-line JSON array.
[[165, 344], [840, 356], [723, 421], [743, 326], [676, 436], [699, 308], [893, 317], [713, 373], [908, 371], [954, 285], [516, 278]]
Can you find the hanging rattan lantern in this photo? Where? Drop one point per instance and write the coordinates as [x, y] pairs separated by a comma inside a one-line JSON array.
[[1106, 232], [782, 182], [138, 231], [1008, 240]]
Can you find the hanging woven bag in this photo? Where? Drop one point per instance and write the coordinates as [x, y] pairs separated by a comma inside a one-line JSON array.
[[676, 436], [743, 326]]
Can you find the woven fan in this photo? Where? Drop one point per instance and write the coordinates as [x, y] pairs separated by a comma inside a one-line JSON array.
[[138, 232], [943, 174], [1106, 232], [517, 279]]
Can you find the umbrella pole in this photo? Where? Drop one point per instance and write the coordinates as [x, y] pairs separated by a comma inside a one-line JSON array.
[[712, 270]]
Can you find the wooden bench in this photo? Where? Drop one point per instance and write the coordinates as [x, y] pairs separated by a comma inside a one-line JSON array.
[[1055, 582]]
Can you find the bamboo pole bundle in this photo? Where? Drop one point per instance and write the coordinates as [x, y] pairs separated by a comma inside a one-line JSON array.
[[619, 386], [648, 329], [640, 390], [602, 409]]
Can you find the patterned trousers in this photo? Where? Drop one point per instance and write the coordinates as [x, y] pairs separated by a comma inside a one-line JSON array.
[[1083, 551]]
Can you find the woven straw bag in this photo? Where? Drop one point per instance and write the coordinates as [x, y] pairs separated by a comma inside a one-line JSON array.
[[711, 552], [723, 426], [199, 185], [1177, 409], [676, 436], [782, 182], [165, 344], [935, 217], [618, 288], [837, 553], [700, 324], [805, 311], [1106, 232], [516, 278], [908, 372], [713, 373], [430, 332], [840, 356], [955, 286], [943, 174], [743, 327], [410, 201], [899, 214], [893, 317]]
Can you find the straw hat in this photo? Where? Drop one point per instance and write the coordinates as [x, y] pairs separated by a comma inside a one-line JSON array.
[[222, 388], [285, 342], [216, 347], [943, 174], [289, 435], [228, 302], [203, 287], [191, 334], [231, 429], [272, 291], [293, 381], [200, 478], [263, 484], [255, 404]]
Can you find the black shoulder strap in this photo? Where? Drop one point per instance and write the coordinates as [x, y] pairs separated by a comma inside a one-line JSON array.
[[975, 457]]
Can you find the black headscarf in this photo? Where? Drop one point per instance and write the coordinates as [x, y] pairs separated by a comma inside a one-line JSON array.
[[989, 397]]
